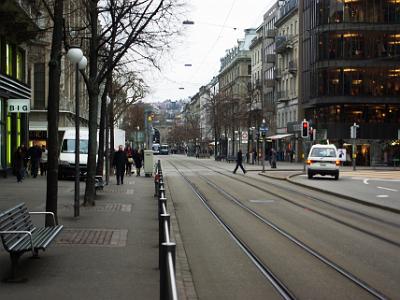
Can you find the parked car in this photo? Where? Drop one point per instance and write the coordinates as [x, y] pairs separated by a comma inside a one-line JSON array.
[[323, 160]]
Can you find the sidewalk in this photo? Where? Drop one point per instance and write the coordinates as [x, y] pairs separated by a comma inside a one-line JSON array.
[[109, 252]]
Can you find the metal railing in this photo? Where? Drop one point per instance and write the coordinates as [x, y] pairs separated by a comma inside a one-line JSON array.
[[167, 255]]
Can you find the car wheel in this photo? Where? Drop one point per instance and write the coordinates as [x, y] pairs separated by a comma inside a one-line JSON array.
[[337, 176], [310, 175]]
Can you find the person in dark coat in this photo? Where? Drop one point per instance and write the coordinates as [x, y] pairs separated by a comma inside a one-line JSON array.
[[119, 162], [239, 160], [138, 158], [19, 168], [35, 153]]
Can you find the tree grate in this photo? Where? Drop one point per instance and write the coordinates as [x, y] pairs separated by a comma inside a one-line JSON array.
[[93, 237]]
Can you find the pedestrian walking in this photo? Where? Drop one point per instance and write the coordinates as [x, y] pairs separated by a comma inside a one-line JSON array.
[[34, 153], [119, 162], [138, 158], [239, 160], [273, 158], [254, 156], [43, 161], [129, 154], [18, 164]]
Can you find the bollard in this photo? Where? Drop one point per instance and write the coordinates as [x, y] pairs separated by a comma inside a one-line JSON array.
[[161, 193], [161, 233], [161, 201], [166, 248]]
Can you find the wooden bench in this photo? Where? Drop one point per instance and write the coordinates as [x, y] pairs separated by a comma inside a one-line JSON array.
[[19, 235]]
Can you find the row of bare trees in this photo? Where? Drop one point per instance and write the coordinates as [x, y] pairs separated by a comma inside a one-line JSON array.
[[120, 35]]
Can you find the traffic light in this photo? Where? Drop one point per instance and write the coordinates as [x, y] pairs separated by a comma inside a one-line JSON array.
[[304, 129]]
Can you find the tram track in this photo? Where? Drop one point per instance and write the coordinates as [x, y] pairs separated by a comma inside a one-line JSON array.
[[354, 279], [311, 209]]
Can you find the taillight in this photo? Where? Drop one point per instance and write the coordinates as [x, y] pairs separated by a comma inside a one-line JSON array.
[[338, 162], [309, 161]]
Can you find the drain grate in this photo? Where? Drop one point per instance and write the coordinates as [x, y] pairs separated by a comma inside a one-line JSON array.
[[93, 237], [104, 207]]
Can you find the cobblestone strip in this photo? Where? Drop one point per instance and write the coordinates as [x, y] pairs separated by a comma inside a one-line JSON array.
[[184, 280]]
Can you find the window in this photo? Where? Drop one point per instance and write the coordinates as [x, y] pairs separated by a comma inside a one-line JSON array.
[[39, 86], [248, 69], [20, 65], [9, 60]]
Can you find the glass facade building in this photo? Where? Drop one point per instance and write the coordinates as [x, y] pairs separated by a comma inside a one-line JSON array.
[[351, 74]]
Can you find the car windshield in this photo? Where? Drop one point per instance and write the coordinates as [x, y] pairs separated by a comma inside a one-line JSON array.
[[323, 152], [68, 146]]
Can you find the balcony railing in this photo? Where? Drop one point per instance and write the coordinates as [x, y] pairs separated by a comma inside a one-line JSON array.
[[287, 8], [293, 67], [269, 83], [270, 58], [270, 33], [283, 43], [277, 74], [283, 96]]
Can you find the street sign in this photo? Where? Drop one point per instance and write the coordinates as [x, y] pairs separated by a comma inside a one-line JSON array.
[[342, 154], [18, 105], [263, 129], [244, 136]]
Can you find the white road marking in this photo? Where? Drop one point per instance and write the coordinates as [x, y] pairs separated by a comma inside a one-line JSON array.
[[387, 189], [129, 192], [365, 181], [131, 182], [382, 196], [261, 201]]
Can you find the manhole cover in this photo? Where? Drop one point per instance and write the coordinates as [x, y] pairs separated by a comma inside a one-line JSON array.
[[93, 237]]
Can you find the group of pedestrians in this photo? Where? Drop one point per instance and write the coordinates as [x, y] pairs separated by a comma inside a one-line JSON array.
[[123, 161], [31, 159]]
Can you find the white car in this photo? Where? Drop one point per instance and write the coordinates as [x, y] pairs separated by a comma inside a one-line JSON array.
[[323, 160]]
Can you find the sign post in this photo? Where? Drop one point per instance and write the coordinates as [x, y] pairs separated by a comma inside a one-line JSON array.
[[353, 136]]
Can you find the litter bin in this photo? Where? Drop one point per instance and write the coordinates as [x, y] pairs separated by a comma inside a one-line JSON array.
[[148, 163]]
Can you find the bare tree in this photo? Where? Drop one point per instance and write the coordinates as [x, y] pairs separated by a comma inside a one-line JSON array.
[[134, 29], [53, 108]]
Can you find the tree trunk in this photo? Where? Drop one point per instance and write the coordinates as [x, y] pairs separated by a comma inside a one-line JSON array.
[[53, 112], [100, 153], [111, 124], [93, 91]]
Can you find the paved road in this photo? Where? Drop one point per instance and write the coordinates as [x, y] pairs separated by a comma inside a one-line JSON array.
[[363, 241], [378, 187]]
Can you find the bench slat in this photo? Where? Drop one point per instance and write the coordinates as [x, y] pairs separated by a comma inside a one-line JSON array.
[[41, 238]]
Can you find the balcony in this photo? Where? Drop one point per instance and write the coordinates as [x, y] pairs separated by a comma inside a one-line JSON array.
[[283, 43], [293, 67], [286, 10], [283, 96], [270, 33], [270, 58], [277, 74], [269, 83]]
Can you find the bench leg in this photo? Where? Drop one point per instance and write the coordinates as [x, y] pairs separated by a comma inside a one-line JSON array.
[[13, 274]]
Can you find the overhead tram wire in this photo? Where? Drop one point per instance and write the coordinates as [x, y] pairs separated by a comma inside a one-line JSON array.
[[216, 41]]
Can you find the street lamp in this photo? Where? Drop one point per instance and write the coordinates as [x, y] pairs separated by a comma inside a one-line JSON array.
[[263, 132], [75, 55]]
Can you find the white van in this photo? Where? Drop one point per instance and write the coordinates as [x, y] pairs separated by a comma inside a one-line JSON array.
[[67, 151], [323, 160]]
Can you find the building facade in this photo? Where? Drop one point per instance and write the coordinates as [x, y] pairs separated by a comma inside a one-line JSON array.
[[14, 79], [352, 75], [287, 105], [234, 82]]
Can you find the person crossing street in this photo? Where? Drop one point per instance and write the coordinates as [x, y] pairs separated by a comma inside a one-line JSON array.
[[239, 161]]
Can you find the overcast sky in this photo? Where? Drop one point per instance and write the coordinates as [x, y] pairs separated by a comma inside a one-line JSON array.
[[203, 44]]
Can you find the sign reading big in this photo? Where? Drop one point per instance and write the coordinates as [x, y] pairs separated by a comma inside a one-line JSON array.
[[19, 105]]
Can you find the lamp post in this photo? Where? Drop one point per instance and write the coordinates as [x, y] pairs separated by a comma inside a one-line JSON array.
[[75, 55], [263, 133], [108, 100]]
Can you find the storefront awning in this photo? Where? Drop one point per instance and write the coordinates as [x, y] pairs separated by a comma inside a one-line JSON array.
[[279, 136]]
